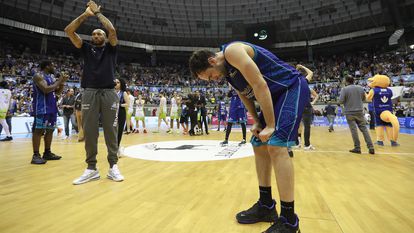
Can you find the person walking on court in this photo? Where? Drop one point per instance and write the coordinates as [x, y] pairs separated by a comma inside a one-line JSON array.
[[281, 91], [237, 114], [99, 99], [78, 113], [174, 116], [5, 99], [45, 110], [352, 97], [201, 105], [68, 104], [139, 114], [330, 115], [221, 113], [307, 116], [129, 112], [121, 91], [162, 113]]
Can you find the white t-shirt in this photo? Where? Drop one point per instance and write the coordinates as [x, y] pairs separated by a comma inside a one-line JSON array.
[[174, 107], [163, 105], [131, 103], [139, 111], [5, 97]]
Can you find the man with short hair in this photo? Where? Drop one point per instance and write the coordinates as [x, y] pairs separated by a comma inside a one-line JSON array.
[[352, 97], [45, 110], [68, 104], [281, 91], [162, 113], [129, 111], [174, 112], [99, 99]]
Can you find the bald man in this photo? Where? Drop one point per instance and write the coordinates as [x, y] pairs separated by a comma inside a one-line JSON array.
[[99, 99]]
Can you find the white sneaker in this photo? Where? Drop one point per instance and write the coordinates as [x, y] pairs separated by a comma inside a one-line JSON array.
[[310, 147], [114, 174], [120, 151], [88, 175]]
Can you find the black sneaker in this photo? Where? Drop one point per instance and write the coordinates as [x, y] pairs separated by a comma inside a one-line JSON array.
[[282, 226], [51, 156], [243, 142], [224, 143], [36, 159], [371, 151], [8, 138], [290, 152], [258, 213], [356, 151]]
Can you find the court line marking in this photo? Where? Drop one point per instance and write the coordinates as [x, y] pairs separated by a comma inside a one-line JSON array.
[[347, 152]]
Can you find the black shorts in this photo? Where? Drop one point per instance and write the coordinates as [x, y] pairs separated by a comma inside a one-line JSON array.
[[184, 119]]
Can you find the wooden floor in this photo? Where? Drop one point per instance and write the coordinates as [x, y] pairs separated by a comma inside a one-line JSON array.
[[336, 192]]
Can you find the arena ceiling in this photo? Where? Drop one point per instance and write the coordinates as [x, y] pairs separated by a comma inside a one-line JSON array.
[[209, 23]]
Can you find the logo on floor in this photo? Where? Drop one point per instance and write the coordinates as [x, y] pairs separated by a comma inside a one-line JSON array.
[[188, 151]]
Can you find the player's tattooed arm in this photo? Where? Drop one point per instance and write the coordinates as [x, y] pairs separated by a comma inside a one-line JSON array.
[[74, 25]]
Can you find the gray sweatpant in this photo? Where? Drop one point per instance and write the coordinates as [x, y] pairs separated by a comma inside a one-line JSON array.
[[358, 120], [100, 104]]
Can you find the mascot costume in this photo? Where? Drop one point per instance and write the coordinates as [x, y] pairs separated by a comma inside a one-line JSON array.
[[381, 95]]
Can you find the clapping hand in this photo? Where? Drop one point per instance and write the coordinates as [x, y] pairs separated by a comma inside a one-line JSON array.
[[94, 7], [89, 12]]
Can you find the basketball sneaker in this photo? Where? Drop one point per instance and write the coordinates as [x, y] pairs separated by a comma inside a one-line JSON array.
[[8, 138], [145, 131], [120, 152], [51, 156], [224, 143], [290, 152], [114, 174], [88, 175], [394, 143], [380, 143], [243, 142], [356, 151], [258, 213], [310, 147], [36, 159], [282, 226]]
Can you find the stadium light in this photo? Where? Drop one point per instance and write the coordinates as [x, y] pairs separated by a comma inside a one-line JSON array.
[[262, 35], [412, 46]]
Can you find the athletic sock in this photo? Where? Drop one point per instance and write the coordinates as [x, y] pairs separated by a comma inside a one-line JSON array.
[[265, 196], [288, 211], [243, 125], [228, 131]]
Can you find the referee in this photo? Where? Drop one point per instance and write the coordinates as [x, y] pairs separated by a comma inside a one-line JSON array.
[[99, 98]]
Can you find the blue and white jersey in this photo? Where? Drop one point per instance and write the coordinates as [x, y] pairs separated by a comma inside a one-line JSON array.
[[235, 101], [278, 75], [44, 103], [382, 100], [222, 108]]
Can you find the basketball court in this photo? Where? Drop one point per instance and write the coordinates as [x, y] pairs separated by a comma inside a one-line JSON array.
[[180, 184]]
